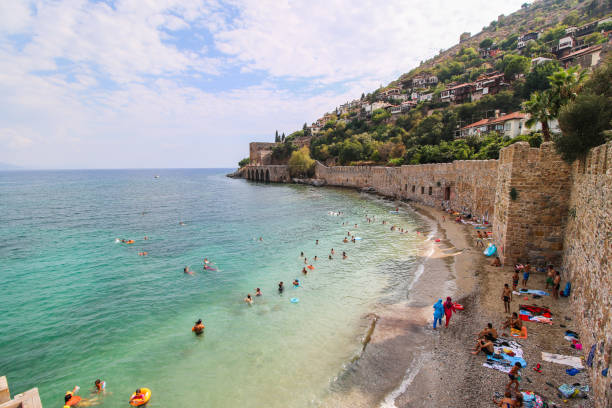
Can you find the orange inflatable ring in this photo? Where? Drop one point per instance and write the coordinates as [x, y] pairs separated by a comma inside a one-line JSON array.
[[131, 241], [310, 267], [73, 401], [138, 402], [458, 306]]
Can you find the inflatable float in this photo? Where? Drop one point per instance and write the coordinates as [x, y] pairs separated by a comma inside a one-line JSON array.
[[310, 267], [491, 250], [357, 238], [75, 399], [458, 306], [139, 402], [393, 212], [294, 300]]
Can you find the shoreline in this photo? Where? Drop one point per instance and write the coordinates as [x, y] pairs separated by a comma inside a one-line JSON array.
[[400, 344]]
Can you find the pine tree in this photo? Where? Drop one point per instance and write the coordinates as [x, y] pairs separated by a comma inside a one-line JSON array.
[[283, 137], [276, 138]]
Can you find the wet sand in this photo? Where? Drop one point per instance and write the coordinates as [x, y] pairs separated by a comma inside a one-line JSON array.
[[408, 364]]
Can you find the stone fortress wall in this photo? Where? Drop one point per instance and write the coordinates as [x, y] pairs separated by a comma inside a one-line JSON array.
[[587, 261], [542, 210]]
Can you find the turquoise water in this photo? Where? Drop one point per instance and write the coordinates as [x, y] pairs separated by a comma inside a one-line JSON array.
[[77, 306]]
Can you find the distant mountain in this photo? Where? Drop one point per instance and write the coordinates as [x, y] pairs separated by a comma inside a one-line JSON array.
[[7, 166]]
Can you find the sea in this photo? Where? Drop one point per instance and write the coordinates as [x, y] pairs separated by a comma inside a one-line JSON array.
[[77, 304]]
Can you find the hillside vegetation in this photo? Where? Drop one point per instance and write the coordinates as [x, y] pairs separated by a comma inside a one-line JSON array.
[[431, 127]]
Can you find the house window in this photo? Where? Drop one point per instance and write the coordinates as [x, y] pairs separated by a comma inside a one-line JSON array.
[[422, 190], [430, 190], [508, 125], [413, 188]]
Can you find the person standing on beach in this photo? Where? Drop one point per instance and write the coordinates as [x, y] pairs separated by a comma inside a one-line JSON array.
[[556, 285], [449, 308], [438, 313], [526, 271], [550, 276], [507, 298], [515, 279]]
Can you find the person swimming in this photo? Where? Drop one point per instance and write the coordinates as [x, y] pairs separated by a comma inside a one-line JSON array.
[[187, 270], [330, 257], [100, 385], [198, 327], [333, 252], [301, 254], [281, 287], [344, 255], [258, 292], [304, 271], [248, 299], [296, 283], [315, 258], [345, 240]]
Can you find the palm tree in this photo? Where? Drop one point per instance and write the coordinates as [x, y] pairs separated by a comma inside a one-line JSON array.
[[539, 110], [565, 85]]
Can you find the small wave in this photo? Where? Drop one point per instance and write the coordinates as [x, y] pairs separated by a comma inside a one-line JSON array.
[[411, 373]]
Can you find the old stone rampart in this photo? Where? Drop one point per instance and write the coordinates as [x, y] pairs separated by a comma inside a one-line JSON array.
[[542, 210], [468, 185], [587, 262]]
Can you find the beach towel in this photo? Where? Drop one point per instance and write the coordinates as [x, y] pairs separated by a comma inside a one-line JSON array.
[[575, 362], [591, 355], [504, 368], [512, 360], [535, 314], [570, 391], [532, 400], [521, 334], [491, 250], [532, 292]]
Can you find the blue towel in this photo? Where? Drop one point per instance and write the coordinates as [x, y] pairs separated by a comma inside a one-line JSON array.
[[572, 371]]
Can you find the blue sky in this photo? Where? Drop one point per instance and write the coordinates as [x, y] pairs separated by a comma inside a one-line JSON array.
[[188, 83]]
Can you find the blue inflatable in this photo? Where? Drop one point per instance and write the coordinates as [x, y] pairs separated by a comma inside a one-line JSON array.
[[393, 212], [357, 238], [491, 250], [294, 300]]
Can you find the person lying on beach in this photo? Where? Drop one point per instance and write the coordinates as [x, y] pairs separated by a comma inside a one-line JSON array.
[[488, 333], [281, 287], [486, 346], [258, 292], [506, 402], [248, 299], [507, 297], [198, 327], [513, 322]]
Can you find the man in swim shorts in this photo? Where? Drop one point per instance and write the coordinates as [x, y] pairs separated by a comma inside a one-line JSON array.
[[550, 276], [488, 333], [513, 322], [526, 271], [556, 285], [486, 346], [515, 279], [507, 298]]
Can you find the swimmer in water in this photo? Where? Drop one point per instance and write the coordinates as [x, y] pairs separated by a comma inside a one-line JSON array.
[[198, 327], [261, 238], [186, 270], [333, 252], [146, 238], [317, 242], [344, 256], [281, 287], [248, 299], [304, 271], [306, 261], [100, 385], [345, 240], [330, 258], [296, 283], [301, 254], [315, 258], [258, 292]]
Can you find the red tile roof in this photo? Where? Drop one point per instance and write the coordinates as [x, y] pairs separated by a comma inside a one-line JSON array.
[[582, 51], [501, 119]]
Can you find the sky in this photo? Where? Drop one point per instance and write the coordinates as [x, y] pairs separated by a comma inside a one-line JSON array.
[[189, 83]]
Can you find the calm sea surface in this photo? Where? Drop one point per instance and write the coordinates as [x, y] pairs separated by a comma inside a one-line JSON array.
[[75, 305]]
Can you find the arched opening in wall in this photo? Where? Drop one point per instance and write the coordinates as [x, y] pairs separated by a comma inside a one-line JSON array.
[[446, 193], [267, 175], [422, 190], [413, 188], [256, 175], [430, 190], [261, 175]]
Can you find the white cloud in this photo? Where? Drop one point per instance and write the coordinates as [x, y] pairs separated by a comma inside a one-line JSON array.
[[70, 116]]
